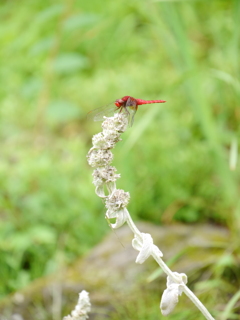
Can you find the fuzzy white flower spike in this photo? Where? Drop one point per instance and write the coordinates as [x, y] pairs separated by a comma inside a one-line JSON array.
[[82, 308], [116, 200]]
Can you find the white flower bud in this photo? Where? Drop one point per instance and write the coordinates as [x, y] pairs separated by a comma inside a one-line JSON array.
[[169, 300], [99, 157], [170, 295], [144, 244]]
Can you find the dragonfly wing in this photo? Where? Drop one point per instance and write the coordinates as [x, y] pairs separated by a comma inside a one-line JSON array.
[[99, 113], [131, 102], [131, 106]]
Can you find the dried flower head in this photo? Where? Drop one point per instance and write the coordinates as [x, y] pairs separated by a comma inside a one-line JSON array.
[[105, 177], [117, 200], [119, 123], [105, 140], [99, 157]]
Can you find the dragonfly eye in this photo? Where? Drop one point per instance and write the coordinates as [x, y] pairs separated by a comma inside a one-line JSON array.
[[119, 102]]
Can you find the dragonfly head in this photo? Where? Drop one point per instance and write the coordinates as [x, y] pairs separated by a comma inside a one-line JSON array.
[[119, 103]]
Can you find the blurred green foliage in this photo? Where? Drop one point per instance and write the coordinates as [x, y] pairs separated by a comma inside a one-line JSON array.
[[60, 60]]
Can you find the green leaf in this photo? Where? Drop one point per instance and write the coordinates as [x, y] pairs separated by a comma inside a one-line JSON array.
[[79, 21], [42, 234], [70, 63], [60, 111], [42, 46], [49, 13]]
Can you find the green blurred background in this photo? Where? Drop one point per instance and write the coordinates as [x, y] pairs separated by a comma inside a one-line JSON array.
[[61, 59]]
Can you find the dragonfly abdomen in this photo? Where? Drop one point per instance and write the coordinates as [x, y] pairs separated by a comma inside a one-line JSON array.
[[141, 101]]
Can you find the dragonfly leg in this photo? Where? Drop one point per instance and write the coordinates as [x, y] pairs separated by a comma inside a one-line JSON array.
[[128, 114], [124, 109]]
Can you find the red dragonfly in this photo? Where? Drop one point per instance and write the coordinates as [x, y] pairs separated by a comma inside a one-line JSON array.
[[126, 104]]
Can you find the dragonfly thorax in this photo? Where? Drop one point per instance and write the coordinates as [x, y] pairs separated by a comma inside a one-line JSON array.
[[122, 102]]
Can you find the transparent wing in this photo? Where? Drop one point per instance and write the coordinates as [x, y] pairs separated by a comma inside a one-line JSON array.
[[131, 106], [131, 102], [99, 113]]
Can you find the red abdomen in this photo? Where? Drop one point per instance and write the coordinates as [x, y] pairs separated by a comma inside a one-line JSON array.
[[141, 101]]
